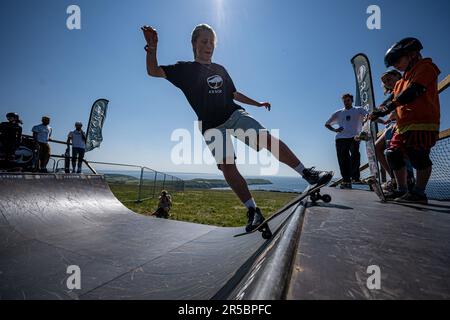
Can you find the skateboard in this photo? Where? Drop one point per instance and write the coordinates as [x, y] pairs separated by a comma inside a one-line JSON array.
[[312, 191], [368, 135], [67, 161], [316, 196]]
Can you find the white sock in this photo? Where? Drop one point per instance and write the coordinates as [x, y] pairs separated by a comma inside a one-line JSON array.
[[250, 203], [300, 168]]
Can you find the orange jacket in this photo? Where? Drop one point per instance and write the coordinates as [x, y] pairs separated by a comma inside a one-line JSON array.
[[424, 112]]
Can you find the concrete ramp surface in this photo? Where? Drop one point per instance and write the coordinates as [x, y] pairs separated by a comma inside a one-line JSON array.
[[49, 222]]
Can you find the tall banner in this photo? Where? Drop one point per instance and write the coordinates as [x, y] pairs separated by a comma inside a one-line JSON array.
[[94, 135], [365, 98], [364, 87]]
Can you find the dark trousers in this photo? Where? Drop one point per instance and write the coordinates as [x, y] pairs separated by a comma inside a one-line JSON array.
[[77, 154], [349, 158], [44, 155]]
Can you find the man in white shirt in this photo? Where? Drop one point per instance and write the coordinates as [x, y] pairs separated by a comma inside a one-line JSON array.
[[42, 134], [350, 120], [78, 138]]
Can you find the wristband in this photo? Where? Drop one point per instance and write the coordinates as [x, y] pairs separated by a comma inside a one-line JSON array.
[[148, 48]]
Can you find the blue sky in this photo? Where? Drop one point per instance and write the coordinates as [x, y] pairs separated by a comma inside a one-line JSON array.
[[295, 54]]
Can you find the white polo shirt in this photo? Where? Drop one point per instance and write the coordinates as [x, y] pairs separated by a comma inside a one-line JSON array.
[[351, 120], [43, 133], [77, 139]]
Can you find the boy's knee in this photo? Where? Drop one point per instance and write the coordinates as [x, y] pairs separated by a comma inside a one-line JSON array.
[[395, 158]]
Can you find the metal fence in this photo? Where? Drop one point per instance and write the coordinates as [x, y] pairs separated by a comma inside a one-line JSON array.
[[138, 183]]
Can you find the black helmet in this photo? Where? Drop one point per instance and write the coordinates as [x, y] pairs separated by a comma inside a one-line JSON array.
[[401, 48], [12, 115]]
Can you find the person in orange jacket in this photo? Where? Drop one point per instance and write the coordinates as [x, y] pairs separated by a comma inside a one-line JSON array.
[[415, 98]]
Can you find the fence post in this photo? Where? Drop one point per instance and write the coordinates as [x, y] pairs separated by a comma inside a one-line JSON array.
[[141, 180], [154, 184], [164, 181]]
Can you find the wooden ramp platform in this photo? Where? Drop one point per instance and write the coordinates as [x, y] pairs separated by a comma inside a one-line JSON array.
[[339, 241]]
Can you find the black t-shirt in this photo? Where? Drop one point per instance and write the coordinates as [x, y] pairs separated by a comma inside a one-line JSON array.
[[208, 88]]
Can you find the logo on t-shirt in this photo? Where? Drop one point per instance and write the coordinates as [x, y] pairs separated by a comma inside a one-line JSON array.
[[215, 83]]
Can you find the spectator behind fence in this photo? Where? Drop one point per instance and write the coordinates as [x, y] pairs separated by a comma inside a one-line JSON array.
[[10, 138], [78, 139], [164, 205], [42, 134]]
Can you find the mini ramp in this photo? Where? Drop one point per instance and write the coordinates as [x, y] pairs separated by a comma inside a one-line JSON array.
[[49, 222]]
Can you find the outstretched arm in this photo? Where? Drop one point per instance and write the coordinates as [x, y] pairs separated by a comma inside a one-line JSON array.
[[151, 37], [244, 99]]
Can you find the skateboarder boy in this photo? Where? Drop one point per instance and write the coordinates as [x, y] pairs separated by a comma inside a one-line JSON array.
[[416, 100], [211, 93]]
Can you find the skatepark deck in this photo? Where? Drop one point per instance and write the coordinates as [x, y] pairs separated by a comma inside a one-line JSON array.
[[340, 240], [49, 222]]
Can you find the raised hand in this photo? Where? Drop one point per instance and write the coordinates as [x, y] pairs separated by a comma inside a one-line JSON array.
[[150, 35]]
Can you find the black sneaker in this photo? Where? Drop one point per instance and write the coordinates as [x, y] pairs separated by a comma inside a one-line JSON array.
[[345, 185], [254, 219], [394, 194], [412, 197], [313, 176]]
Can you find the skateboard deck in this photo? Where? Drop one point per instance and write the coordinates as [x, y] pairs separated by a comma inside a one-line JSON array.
[[368, 134], [67, 161], [311, 190]]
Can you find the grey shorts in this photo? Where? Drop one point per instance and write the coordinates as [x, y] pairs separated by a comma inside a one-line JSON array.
[[241, 126]]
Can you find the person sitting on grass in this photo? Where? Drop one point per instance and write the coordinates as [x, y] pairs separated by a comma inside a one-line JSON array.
[[164, 205]]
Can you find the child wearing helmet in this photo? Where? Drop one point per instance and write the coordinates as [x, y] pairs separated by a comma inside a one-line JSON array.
[[415, 99]]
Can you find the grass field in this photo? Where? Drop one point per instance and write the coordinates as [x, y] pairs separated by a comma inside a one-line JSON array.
[[212, 207]]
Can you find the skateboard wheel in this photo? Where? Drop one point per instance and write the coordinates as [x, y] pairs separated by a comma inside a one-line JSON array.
[[326, 198], [313, 197], [267, 234]]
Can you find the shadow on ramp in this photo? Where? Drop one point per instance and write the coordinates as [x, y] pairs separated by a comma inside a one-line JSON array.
[[53, 221]]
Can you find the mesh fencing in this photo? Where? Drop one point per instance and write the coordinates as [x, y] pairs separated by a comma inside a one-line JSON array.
[[438, 187]]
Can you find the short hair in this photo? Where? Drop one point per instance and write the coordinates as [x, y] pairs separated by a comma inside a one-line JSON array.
[[347, 95], [196, 33]]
